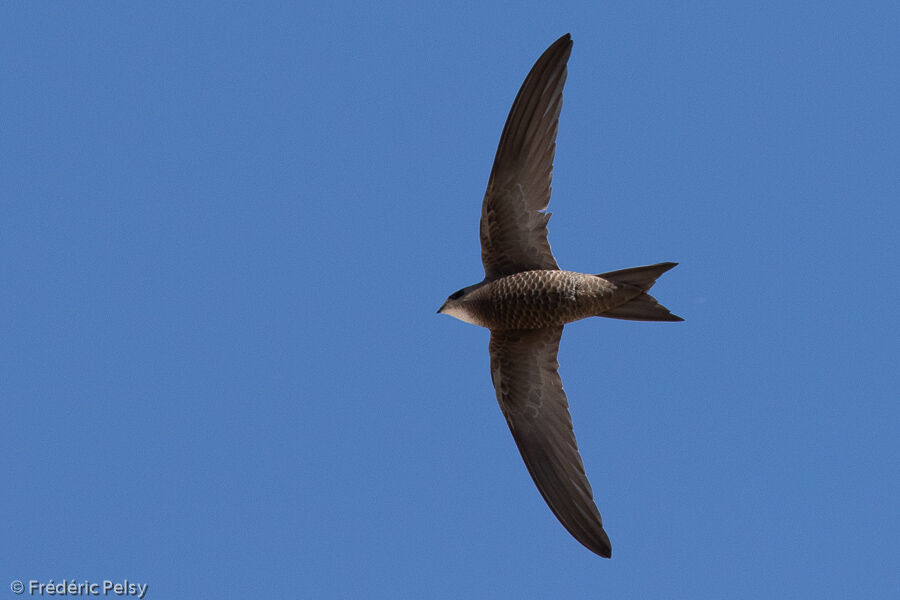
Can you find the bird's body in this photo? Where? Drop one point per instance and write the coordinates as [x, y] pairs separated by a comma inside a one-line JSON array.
[[525, 300], [542, 298]]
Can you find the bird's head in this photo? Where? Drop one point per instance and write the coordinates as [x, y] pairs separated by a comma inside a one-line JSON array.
[[458, 306]]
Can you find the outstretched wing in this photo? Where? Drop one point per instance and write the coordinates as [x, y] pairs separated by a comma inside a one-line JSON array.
[[531, 396], [513, 226]]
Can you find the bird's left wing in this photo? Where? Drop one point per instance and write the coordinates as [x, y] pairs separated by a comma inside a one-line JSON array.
[[531, 396], [513, 226]]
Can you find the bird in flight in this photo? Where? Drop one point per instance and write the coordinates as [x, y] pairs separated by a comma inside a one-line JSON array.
[[525, 300]]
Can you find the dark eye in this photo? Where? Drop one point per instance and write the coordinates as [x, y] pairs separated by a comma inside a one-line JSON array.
[[457, 295]]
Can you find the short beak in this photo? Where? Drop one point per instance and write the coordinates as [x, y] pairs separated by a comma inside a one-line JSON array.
[[441, 309]]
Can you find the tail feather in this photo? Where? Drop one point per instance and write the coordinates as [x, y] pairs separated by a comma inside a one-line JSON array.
[[639, 277], [642, 307]]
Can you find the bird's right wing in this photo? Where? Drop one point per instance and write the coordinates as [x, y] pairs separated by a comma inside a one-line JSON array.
[[531, 396], [513, 224]]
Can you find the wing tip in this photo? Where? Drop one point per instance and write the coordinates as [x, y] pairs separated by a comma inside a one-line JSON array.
[[596, 541], [565, 41], [603, 550]]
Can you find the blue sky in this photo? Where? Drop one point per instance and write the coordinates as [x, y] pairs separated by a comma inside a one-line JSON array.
[[225, 231]]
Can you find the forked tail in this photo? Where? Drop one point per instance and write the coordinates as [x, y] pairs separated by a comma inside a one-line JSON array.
[[642, 307]]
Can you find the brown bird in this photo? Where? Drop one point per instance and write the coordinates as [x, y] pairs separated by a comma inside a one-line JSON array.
[[525, 299]]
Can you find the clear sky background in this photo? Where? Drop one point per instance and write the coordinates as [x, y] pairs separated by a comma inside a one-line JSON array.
[[225, 230]]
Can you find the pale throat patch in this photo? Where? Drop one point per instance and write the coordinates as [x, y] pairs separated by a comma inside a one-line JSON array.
[[458, 312]]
